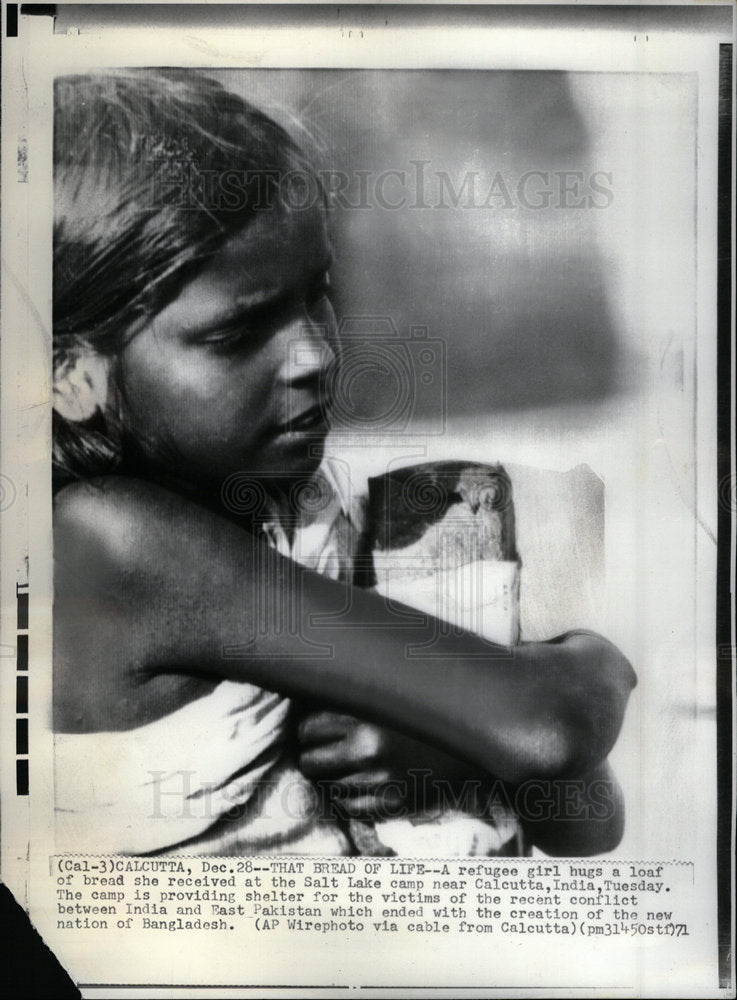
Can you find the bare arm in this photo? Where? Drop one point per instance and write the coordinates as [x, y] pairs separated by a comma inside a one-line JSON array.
[[185, 590]]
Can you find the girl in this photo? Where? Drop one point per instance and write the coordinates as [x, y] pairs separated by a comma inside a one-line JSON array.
[[193, 336]]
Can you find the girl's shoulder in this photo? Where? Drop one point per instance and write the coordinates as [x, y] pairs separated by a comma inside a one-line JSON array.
[[114, 497], [116, 519], [104, 504]]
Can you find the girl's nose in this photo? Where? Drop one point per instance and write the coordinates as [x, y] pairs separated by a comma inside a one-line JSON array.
[[308, 353]]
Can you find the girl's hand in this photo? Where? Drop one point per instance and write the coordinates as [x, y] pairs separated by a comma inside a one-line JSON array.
[[374, 772]]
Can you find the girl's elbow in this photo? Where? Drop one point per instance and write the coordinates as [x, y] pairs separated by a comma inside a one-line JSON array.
[[566, 751], [545, 753]]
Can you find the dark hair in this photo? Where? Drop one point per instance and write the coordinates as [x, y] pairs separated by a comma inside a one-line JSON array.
[[139, 162]]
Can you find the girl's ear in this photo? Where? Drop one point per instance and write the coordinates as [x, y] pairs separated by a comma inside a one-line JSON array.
[[81, 386]]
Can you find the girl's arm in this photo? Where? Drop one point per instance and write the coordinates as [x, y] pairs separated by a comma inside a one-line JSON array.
[[182, 590]]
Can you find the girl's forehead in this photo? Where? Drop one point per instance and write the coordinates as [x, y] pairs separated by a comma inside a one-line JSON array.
[[286, 230], [275, 246], [276, 255]]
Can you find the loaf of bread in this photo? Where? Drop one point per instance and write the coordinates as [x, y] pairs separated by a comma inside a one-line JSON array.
[[440, 537]]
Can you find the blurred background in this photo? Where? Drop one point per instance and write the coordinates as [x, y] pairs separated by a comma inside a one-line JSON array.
[[539, 230], [497, 209]]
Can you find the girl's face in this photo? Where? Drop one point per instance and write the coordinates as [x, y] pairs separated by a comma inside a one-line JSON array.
[[228, 376]]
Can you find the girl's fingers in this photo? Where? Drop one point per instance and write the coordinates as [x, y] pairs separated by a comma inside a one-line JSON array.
[[362, 807], [327, 760], [375, 805], [360, 782], [322, 726]]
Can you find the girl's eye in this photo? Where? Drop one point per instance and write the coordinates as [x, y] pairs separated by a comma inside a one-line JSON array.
[[247, 333], [256, 327], [225, 337]]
